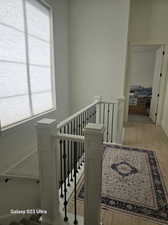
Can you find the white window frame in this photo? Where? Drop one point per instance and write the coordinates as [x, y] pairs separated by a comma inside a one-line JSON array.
[[53, 79]]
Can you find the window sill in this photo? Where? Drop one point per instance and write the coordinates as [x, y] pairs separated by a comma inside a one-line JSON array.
[[25, 122]]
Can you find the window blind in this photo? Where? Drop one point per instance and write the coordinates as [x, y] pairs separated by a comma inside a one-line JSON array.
[[25, 60]]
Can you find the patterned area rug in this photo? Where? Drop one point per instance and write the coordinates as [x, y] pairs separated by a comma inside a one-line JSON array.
[[132, 182]]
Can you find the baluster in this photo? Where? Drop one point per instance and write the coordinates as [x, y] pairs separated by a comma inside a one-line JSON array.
[[77, 143], [61, 172], [65, 188], [90, 115], [83, 119], [76, 128], [68, 161], [75, 183], [91, 112], [95, 115], [103, 113], [81, 143], [86, 118], [100, 112], [79, 146], [71, 152], [79, 149], [107, 122], [93, 121], [112, 122], [85, 122], [74, 131]]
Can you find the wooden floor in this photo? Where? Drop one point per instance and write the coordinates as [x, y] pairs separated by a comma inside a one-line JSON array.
[[146, 136]]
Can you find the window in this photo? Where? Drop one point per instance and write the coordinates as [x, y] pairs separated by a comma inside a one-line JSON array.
[[25, 60]]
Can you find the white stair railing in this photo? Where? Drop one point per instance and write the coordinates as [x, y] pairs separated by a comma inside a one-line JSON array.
[[111, 115], [62, 150], [48, 171], [48, 151], [93, 173]]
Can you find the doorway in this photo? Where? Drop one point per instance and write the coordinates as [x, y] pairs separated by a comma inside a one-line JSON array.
[[144, 74]]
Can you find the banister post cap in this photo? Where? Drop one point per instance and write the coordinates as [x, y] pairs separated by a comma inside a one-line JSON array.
[[98, 98], [48, 125], [94, 128]]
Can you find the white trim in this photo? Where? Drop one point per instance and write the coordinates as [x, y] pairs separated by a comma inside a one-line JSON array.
[[29, 119], [51, 66], [162, 87], [127, 79], [4, 173]]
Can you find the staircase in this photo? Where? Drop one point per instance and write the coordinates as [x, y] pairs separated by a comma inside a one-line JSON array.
[[33, 220], [63, 150]]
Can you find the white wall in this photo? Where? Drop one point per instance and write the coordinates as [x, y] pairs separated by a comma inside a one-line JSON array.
[[141, 66], [19, 141], [98, 46], [148, 21]]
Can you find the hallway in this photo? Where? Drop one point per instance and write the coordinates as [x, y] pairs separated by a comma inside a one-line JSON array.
[[145, 136], [148, 136]]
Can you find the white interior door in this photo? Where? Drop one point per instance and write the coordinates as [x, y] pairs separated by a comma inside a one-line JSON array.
[[156, 85]]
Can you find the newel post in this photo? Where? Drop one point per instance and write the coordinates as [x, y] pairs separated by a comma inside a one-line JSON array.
[[98, 108], [93, 173], [48, 171]]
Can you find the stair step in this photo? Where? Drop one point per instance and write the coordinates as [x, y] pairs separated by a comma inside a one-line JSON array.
[[15, 223], [35, 218], [27, 222]]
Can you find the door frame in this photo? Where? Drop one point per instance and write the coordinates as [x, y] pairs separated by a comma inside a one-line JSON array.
[[156, 84], [162, 88]]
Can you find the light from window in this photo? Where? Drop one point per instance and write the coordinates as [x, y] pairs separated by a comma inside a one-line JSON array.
[[25, 60]]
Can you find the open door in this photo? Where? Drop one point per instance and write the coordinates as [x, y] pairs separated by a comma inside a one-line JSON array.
[[156, 85]]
